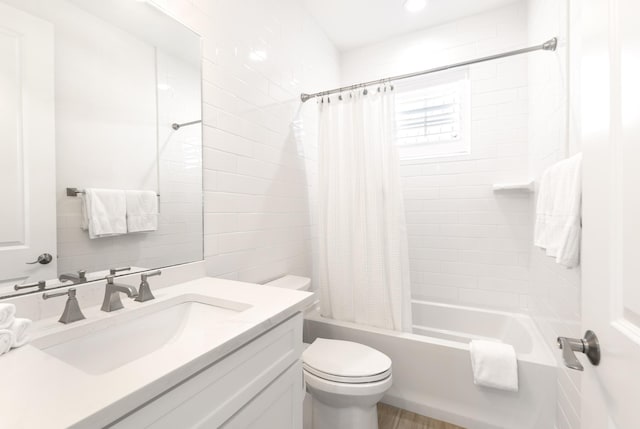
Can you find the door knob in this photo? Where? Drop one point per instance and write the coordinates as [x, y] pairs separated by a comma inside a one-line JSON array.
[[588, 345], [43, 259]]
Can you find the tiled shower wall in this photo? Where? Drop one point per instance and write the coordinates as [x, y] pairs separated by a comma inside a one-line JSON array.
[[555, 299], [467, 244], [258, 56]]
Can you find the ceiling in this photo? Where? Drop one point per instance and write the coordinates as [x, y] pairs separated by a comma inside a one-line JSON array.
[[354, 23]]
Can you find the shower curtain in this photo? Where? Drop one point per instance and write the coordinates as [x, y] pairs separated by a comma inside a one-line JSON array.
[[363, 258]]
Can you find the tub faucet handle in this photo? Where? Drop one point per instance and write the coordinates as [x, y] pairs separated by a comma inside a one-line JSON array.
[[588, 345]]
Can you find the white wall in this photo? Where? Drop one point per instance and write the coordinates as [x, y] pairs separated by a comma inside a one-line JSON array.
[[257, 138], [467, 245], [555, 300]]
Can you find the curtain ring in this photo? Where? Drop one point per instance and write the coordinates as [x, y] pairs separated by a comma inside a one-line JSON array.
[[365, 92], [340, 97]]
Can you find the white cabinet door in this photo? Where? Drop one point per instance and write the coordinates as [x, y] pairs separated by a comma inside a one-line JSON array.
[[27, 147], [219, 392], [279, 406], [610, 130]]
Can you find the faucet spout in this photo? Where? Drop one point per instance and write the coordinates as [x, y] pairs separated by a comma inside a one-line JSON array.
[[130, 291], [75, 278], [112, 291]]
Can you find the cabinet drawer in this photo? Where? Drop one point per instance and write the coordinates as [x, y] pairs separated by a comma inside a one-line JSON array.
[[212, 396]]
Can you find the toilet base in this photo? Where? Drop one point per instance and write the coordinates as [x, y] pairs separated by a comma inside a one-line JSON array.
[[324, 416], [307, 411], [336, 411]]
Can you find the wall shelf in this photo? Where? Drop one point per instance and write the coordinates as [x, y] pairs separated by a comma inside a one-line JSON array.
[[524, 187]]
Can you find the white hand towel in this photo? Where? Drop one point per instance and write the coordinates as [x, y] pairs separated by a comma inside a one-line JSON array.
[[494, 365], [6, 340], [142, 211], [558, 211], [105, 212], [19, 328], [7, 313]]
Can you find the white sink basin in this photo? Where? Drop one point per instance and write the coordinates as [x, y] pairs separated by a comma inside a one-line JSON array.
[[107, 344]]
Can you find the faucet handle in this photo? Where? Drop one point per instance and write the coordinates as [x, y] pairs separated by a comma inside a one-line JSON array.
[[144, 276], [71, 293], [72, 312], [40, 285], [144, 291], [113, 271]]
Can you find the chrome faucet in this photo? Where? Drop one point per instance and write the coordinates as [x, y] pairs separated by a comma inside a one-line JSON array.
[[112, 292], [144, 291], [76, 278], [72, 312]]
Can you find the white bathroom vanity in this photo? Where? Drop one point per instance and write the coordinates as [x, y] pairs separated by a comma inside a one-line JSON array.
[[205, 353]]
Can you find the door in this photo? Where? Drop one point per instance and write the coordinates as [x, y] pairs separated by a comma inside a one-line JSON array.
[[27, 148], [610, 134]]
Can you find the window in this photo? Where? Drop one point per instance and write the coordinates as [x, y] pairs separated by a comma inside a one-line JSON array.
[[433, 116]]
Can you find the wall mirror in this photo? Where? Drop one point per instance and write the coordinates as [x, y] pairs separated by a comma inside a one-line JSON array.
[[96, 95]]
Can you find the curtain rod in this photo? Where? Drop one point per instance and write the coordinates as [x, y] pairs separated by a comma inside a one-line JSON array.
[[549, 45]]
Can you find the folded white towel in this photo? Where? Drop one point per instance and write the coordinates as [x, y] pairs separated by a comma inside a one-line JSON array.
[[494, 365], [104, 212], [20, 327], [142, 211], [6, 340], [7, 313], [558, 211]]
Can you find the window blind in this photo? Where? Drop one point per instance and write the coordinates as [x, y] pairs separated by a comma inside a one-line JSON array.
[[430, 119], [429, 115]]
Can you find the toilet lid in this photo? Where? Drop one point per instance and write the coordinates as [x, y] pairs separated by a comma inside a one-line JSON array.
[[345, 361]]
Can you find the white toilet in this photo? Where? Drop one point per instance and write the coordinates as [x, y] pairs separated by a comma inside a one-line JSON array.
[[345, 379]]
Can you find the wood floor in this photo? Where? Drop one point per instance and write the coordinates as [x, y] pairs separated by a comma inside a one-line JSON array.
[[395, 418]]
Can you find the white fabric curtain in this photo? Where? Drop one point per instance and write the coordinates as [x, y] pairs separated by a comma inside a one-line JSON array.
[[363, 257]]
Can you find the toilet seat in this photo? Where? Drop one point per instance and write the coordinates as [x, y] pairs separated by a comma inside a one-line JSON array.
[[348, 389], [349, 380], [345, 362]]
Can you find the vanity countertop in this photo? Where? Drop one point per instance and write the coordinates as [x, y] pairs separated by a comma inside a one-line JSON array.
[[42, 391]]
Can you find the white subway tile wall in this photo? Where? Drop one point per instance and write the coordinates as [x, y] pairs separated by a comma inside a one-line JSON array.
[[259, 141], [555, 298], [467, 244]]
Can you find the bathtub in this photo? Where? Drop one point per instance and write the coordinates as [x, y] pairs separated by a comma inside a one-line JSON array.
[[432, 371]]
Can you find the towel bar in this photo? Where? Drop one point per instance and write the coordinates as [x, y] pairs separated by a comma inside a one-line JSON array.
[[73, 192]]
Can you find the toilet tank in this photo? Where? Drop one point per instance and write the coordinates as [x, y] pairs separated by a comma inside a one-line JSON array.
[[291, 282]]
